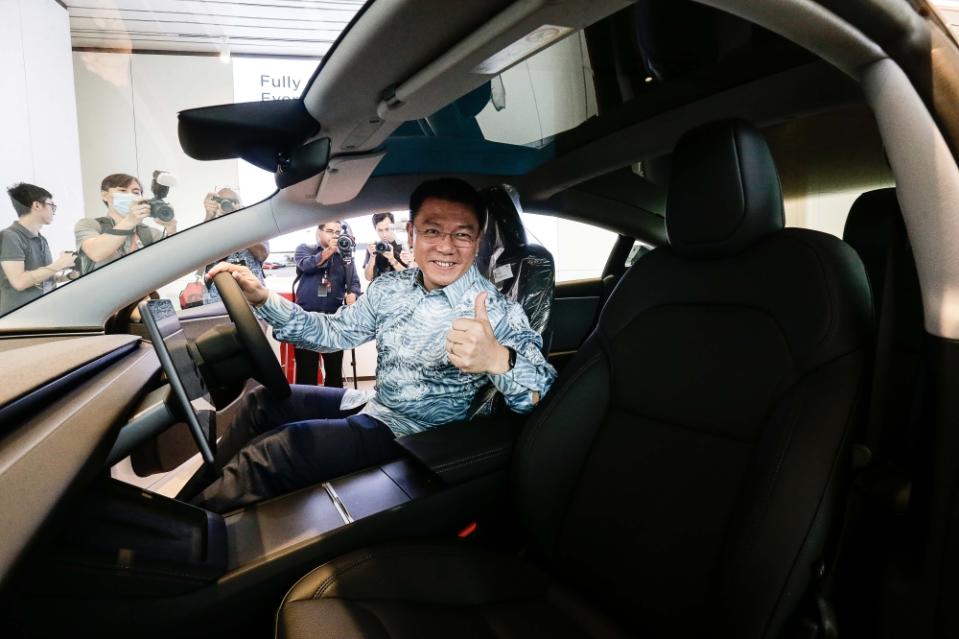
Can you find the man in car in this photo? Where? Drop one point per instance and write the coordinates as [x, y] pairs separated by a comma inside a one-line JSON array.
[[222, 201], [442, 332], [395, 259], [325, 282], [27, 269], [121, 231]]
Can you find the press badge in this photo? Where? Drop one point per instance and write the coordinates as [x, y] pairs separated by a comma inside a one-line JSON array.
[[324, 288]]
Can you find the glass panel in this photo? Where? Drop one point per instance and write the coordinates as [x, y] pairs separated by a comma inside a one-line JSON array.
[[90, 117]]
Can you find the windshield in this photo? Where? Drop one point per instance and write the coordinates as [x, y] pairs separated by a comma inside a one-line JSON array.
[[93, 168]]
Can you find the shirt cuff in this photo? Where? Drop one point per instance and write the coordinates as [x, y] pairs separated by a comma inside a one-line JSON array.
[[275, 310], [522, 377]]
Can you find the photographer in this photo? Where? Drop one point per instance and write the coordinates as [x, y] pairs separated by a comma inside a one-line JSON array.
[[226, 200], [392, 258], [121, 231], [327, 280], [27, 268]]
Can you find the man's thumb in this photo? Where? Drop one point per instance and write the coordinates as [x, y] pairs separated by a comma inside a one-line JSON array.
[[480, 308]]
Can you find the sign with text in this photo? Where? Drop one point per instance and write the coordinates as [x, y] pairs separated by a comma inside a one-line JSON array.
[[266, 80]]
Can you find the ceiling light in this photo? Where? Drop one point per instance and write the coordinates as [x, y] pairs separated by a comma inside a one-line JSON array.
[[539, 38]]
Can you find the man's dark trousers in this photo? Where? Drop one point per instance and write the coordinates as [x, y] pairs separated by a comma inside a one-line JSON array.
[[274, 446]]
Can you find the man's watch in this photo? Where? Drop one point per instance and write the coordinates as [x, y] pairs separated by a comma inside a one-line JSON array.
[[512, 358]]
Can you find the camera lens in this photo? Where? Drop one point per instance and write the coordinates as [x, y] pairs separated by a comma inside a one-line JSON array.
[[383, 247], [344, 243], [161, 210]]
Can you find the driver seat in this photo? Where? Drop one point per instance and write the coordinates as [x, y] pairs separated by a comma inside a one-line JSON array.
[[681, 477]]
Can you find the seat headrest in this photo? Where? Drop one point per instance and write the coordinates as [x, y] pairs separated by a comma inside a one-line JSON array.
[[874, 220], [724, 192], [504, 226]]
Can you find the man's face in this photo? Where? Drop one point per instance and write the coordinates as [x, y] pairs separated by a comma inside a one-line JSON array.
[[45, 210], [133, 187], [385, 230], [445, 240], [327, 234]]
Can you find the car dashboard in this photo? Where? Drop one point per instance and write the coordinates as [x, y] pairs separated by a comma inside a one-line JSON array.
[[61, 404]]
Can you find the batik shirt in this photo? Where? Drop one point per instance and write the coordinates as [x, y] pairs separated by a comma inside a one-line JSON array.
[[417, 386], [244, 257]]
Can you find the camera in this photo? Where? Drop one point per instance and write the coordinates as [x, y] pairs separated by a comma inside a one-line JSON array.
[[345, 245], [384, 247], [160, 187], [226, 205]]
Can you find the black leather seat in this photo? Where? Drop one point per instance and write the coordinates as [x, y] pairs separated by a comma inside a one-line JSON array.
[[680, 478], [875, 229], [522, 271]]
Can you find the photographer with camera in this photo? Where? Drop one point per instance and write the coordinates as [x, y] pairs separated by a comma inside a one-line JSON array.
[[222, 201], [27, 268], [387, 254], [121, 231], [326, 281]]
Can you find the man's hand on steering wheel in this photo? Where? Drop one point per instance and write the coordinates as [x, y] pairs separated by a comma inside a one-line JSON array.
[[252, 289]]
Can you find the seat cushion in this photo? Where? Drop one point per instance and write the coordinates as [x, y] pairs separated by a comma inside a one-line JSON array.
[[434, 590]]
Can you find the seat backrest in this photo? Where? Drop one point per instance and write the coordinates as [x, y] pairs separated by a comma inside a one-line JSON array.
[[523, 272], [876, 231], [684, 467]]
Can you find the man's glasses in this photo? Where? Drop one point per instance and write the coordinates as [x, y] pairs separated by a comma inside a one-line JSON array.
[[462, 239], [53, 207]]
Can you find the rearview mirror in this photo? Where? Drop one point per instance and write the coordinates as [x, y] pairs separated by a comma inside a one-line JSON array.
[[303, 162], [270, 135]]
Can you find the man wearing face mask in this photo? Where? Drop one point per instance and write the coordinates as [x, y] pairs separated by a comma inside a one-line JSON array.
[[121, 231]]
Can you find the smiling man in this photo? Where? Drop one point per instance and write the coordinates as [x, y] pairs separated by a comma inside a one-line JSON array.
[[442, 332]]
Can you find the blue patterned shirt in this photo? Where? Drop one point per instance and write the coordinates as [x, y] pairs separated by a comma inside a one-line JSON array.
[[417, 386]]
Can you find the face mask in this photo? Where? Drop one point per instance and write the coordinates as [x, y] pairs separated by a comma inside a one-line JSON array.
[[122, 202]]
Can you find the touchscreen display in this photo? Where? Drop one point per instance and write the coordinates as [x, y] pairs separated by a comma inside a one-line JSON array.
[[172, 348]]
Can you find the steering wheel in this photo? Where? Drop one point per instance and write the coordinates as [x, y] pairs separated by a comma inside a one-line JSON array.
[[266, 367]]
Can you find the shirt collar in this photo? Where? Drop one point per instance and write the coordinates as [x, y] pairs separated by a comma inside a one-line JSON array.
[[455, 291], [22, 230]]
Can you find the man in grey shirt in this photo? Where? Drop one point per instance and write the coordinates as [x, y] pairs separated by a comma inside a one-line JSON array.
[[27, 269]]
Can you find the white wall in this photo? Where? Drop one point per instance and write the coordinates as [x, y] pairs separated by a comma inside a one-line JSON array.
[[38, 117], [128, 107]]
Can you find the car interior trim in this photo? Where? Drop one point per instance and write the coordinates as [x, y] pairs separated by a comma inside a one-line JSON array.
[[812, 26], [454, 73], [49, 367], [338, 503], [345, 176], [150, 418], [42, 459], [805, 89], [927, 186], [924, 168]]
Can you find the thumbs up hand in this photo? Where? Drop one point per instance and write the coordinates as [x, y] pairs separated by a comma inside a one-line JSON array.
[[471, 345]]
